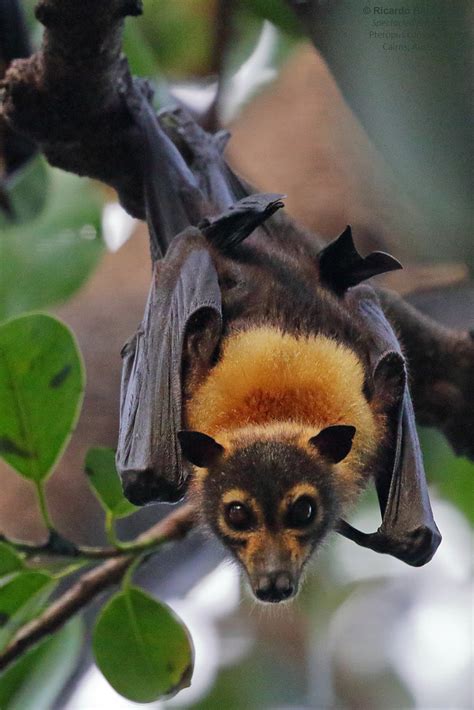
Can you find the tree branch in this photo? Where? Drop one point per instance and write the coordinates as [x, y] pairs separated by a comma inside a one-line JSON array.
[[68, 96], [222, 34], [58, 546], [174, 527]]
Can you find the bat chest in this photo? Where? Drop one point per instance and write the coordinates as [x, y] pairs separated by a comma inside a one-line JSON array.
[[265, 377]]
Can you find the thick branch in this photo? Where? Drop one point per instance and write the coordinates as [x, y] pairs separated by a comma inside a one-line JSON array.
[[67, 97], [174, 527]]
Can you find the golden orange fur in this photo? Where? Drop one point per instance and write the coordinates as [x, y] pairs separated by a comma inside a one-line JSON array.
[[270, 384]]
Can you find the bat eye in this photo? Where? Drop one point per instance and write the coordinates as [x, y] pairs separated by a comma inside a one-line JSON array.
[[238, 516], [302, 512]]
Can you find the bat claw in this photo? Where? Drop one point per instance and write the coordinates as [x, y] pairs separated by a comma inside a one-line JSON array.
[[231, 228]]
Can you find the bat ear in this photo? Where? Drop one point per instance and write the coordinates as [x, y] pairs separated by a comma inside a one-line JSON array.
[[341, 266], [334, 443], [199, 449]]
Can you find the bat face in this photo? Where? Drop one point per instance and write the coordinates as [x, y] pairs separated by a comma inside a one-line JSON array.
[[270, 502], [272, 544]]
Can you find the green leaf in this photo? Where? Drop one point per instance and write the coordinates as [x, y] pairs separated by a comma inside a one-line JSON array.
[[10, 561], [140, 53], [27, 192], [105, 483], [21, 598], [277, 12], [41, 388], [453, 476], [180, 34], [47, 259], [36, 679], [141, 647]]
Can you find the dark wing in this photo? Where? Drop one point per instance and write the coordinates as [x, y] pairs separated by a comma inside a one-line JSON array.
[[182, 324], [172, 197], [408, 530], [184, 300], [184, 291]]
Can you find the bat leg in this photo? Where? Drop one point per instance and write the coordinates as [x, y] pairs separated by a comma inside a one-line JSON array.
[[203, 152], [172, 196], [188, 135]]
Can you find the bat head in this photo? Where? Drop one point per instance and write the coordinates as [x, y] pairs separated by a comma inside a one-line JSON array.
[[270, 501]]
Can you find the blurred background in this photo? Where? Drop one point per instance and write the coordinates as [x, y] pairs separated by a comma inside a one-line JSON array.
[[373, 128]]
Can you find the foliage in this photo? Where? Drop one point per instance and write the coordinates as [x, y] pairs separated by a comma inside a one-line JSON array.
[[148, 640], [42, 382], [35, 681], [56, 220], [178, 39], [451, 475], [103, 479]]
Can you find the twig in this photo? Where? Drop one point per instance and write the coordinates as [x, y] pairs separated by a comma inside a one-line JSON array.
[[223, 30], [57, 546], [174, 527]]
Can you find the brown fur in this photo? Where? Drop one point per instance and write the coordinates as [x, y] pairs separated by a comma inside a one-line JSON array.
[[270, 388], [274, 385]]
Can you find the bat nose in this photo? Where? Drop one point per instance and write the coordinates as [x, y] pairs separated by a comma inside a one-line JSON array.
[[274, 587]]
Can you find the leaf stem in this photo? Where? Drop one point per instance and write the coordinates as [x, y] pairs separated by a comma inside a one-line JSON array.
[[174, 527], [127, 578], [43, 506], [58, 546], [110, 529]]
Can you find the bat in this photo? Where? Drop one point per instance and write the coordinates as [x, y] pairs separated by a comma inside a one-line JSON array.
[[266, 381]]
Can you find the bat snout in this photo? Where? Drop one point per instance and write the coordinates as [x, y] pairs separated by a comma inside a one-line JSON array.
[[274, 586]]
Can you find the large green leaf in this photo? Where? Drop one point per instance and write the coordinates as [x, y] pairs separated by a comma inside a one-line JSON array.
[[104, 481], [141, 647], [36, 679], [46, 259], [41, 389], [21, 598], [10, 561], [27, 192]]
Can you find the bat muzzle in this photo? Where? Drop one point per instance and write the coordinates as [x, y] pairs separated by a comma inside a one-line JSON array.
[[274, 587]]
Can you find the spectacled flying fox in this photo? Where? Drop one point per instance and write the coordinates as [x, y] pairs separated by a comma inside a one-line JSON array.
[[264, 382]]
